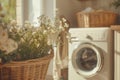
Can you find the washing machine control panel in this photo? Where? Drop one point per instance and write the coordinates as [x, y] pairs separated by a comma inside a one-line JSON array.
[[89, 36]]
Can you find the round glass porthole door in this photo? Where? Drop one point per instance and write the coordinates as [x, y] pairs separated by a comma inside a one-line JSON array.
[[87, 60]]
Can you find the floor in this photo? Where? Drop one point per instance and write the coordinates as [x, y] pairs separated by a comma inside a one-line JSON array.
[[49, 77]]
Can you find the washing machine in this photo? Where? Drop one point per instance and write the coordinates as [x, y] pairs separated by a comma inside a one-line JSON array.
[[91, 54]]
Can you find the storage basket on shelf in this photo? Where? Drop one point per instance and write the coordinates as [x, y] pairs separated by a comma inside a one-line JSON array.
[[96, 19], [34, 69]]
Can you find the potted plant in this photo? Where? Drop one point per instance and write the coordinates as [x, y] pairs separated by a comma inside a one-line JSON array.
[[25, 52], [116, 3]]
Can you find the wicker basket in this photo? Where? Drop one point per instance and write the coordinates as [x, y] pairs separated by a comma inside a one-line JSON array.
[[34, 69], [96, 19]]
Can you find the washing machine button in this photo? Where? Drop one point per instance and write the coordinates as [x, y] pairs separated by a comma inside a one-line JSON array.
[[74, 39], [89, 37]]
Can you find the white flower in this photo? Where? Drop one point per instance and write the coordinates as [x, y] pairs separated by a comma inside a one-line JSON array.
[[33, 33], [64, 20], [52, 31], [10, 46], [49, 42], [66, 25], [13, 22], [45, 31], [3, 35]]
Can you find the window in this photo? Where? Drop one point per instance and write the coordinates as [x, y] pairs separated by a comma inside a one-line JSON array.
[[7, 10], [31, 9]]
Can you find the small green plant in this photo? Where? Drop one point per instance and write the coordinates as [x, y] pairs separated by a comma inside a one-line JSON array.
[[116, 4], [29, 42]]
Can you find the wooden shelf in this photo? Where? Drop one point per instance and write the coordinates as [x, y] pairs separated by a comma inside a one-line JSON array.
[[115, 27]]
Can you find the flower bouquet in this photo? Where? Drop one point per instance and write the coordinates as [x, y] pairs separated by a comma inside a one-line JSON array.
[[25, 51]]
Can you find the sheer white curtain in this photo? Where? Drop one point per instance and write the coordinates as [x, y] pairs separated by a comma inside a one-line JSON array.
[[36, 8], [39, 7], [28, 10], [19, 11]]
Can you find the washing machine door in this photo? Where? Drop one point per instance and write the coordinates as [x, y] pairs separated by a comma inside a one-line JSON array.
[[87, 60]]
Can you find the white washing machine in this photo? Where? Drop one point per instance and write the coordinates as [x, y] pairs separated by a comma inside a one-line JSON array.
[[91, 54]]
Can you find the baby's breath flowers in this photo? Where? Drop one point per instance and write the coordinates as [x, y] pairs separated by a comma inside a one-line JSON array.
[[29, 42]]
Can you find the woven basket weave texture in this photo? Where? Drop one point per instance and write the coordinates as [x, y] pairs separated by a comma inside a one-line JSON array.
[[96, 19], [34, 69]]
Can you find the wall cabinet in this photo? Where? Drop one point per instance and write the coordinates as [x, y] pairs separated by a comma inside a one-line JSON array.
[[116, 29], [117, 55]]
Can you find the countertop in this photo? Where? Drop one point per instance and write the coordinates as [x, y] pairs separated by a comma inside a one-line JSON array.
[[115, 27]]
